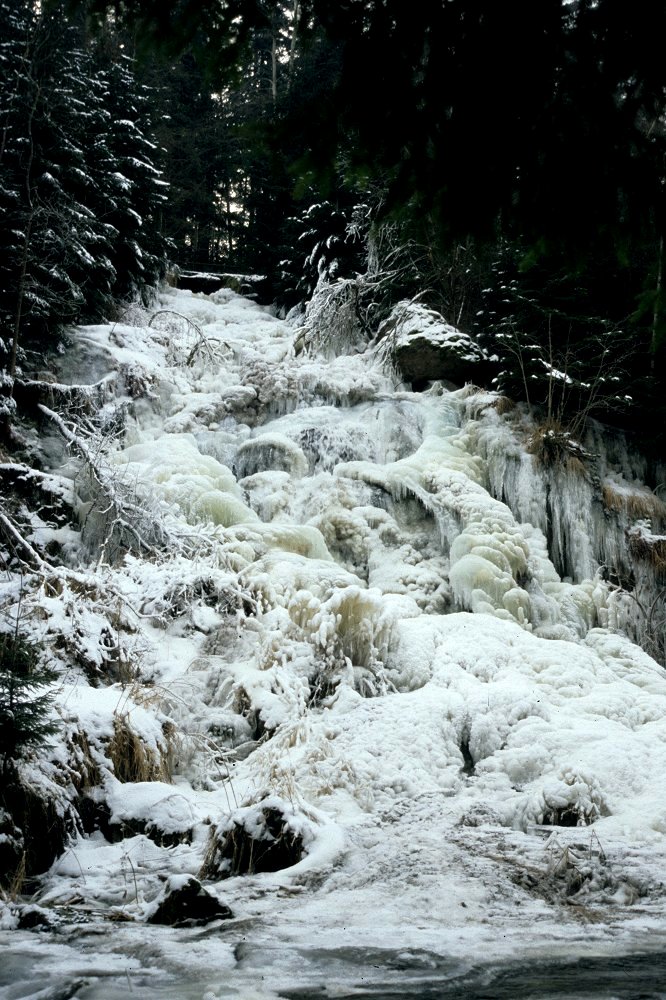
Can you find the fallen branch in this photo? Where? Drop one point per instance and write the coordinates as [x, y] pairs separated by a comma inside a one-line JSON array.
[[72, 439], [173, 312], [122, 513], [15, 535], [34, 392]]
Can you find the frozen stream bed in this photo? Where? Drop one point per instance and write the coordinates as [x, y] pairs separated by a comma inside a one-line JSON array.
[[151, 966], [339, 683]]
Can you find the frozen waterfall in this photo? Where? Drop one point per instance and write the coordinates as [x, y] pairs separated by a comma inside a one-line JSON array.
[[386, 685]]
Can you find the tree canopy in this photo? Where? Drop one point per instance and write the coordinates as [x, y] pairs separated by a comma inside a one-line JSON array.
[[518, 150], [80, 193], [548, 116]]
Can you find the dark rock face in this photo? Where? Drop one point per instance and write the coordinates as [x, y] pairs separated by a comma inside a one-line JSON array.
[[186, 903], [206, 282], [277, 848], [420, 361], [41, 493], [94, 814], [253, 285], [33, 832]]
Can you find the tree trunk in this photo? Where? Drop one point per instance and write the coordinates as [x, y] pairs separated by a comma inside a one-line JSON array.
[[296, 15], [274, 71], [229, 221], [657, 311], [25, 256]]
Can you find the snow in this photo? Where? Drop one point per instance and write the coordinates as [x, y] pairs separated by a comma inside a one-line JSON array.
[[356, 623]]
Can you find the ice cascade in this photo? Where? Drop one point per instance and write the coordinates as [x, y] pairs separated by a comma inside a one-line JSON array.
[[373, 662]]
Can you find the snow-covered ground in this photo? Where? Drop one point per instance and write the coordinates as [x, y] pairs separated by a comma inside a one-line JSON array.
[[345, 630]]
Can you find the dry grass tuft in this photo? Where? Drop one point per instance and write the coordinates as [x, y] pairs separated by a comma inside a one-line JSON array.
[[503, 405], [553, 446], [15, 882], [85, 771], [133, 760], [637, 504], [575, 465], [469, 389], [649, 549]]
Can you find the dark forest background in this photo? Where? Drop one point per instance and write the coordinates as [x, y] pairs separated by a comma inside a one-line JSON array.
[[503, 162]]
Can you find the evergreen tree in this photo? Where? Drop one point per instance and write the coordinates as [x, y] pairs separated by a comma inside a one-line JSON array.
[[133, 191], [546, 117], [24, 702], [79, 192]]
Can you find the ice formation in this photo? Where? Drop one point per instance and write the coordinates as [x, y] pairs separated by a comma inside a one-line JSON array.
[[380, 638]]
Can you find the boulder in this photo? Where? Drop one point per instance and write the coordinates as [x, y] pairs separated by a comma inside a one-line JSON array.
[[184, 902], [425, 348], [35, 827], [33, 917]]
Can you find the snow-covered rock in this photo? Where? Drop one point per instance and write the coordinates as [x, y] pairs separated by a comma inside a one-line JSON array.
[[425, 348], [185, 903]]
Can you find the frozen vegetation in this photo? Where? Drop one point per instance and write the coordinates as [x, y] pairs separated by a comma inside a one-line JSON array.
[[359, 659]]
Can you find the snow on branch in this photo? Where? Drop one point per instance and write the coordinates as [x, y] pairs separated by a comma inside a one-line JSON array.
[[16, 538], [126, 521], [203, 345]]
